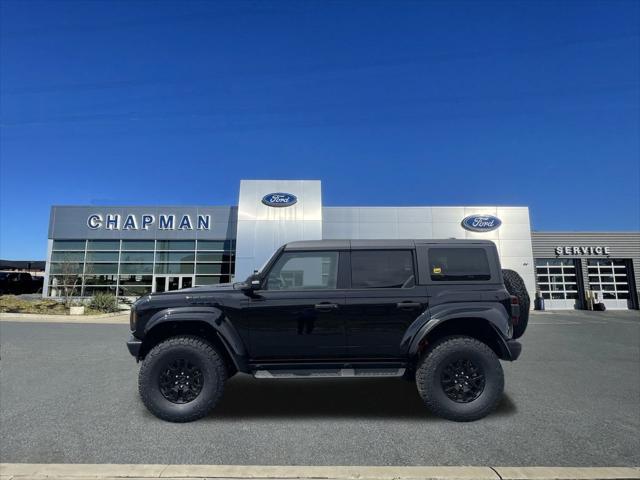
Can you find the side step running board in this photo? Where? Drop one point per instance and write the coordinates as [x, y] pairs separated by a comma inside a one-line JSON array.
[[331, 373]]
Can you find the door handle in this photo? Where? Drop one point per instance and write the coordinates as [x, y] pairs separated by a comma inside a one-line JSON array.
[[408, 305], [325, 307]]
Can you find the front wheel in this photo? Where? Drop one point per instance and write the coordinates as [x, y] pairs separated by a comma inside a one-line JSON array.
[[460, 379], [182, 378]]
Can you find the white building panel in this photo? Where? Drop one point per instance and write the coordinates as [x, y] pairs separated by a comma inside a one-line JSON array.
[[340, 214], [268, 227], [378, 214], [415, 230], [448, 229], [340, 230], [512, 237], [447, 214], [382, 230], [414, 214]]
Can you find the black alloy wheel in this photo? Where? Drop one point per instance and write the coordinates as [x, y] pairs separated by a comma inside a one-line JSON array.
[[462, 380], [181, 381]]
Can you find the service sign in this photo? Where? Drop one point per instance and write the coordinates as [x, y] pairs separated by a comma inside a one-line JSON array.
[[279, 199], [583, 250], [481, 223]]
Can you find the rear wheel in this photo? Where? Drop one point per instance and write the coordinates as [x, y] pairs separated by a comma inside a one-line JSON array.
[[516, 287], [181, 379], [460, 378]]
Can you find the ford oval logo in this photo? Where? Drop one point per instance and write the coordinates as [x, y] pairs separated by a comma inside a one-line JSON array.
[[481, 223], [279, 199]]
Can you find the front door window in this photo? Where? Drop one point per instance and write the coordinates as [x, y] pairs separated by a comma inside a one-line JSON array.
[[304, 271]]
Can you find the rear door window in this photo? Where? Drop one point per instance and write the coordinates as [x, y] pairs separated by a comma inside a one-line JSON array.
[[382, 269], [458, 264]]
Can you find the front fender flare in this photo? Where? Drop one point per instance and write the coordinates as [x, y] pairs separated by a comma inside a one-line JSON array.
[[213, 317]]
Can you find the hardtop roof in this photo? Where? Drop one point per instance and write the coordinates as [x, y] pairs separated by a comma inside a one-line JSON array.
[[377, 244]]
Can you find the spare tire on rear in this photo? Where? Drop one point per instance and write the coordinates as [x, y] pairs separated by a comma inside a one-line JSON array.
[[516, 287]]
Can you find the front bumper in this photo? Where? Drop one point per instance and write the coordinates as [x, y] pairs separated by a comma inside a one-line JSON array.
[[134, 345], [515, 349]]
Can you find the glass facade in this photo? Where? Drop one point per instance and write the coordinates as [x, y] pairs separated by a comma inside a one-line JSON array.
[[128, 267]]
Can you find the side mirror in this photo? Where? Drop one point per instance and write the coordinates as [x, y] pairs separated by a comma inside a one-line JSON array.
[[252, 283]]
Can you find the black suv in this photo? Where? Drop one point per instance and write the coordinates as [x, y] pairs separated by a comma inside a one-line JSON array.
[[439, 312]]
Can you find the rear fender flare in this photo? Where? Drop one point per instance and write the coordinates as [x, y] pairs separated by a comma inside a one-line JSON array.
[[213, 317], [495, 315]]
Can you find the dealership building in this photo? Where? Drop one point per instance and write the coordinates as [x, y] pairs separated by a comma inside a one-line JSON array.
[[130, 251]]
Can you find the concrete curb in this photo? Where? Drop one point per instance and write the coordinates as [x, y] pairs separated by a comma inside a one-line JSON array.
[[107, 318], [567, 473], [24, 471]]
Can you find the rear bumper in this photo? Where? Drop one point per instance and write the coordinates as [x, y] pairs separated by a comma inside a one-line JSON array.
[[134, 345], [515, 349]]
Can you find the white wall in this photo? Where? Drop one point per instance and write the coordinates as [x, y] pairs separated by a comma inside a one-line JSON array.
[[512, 238], [263, 229]]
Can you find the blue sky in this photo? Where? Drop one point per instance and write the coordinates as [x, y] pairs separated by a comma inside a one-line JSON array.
[[388, 103]]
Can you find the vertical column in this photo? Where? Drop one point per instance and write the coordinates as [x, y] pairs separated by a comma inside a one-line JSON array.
[[263, 228], [585, 279], [47, 268]]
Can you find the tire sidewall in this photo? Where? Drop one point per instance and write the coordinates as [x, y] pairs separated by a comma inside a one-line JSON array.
[[163, 407], [516, 286], [434, 393]]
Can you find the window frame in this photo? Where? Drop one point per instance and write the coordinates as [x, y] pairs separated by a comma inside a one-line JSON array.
[[339, 265], [414, 261]]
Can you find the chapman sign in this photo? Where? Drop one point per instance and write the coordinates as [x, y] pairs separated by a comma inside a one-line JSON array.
[[587, 250], [144, 222]]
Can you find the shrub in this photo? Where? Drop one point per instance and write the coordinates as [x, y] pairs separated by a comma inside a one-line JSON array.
[[13, 304], [104, 302]]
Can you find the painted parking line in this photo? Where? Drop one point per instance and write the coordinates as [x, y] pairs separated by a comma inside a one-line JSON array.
[[23, 471]]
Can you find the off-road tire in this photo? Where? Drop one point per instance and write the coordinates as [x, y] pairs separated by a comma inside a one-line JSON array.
[[429, 375], [195, 350], [516, 287]]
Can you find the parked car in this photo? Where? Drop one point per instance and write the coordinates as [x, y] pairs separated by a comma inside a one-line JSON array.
[[18, 283], [441, 313]]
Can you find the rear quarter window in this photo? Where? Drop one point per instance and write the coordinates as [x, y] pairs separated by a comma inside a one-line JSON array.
[[458, 264]]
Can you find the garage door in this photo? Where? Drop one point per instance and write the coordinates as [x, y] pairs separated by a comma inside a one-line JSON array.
[[610, 280], [557, 283]]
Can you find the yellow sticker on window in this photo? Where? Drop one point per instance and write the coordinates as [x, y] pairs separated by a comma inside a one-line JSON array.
[[437, 270]]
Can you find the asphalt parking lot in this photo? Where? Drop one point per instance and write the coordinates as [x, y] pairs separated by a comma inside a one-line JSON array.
[[68, 394]]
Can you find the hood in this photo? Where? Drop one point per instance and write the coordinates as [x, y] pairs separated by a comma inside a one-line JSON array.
[[220, 287]]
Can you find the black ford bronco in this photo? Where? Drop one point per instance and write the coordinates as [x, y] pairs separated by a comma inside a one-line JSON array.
[[441, 313]]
